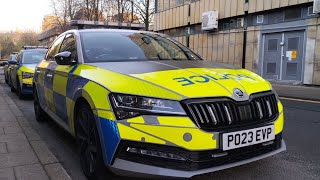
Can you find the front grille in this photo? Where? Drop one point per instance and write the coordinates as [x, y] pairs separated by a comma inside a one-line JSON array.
[[217, 114], [196, 160]]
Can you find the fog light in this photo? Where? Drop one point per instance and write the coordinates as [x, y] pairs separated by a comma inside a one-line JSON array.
[[155, 154]]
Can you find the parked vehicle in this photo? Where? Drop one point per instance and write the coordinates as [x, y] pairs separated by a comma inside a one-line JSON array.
[[22, 70], [6, 67], [142, 104]]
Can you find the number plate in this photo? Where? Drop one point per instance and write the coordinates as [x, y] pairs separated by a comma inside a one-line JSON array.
[[248, 137]]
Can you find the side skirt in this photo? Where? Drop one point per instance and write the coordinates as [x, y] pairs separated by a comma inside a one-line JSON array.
[[57, 119]]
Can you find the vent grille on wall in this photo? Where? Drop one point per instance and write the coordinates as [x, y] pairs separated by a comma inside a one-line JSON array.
[[316, 6], [260, 19]]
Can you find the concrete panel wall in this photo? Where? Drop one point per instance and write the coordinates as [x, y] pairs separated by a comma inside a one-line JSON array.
[[316, 77], [222, 46], [313, 39], [262, 5], [179, 14]]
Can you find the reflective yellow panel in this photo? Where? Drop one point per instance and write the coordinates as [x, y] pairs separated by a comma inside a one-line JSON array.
[[189, 138]]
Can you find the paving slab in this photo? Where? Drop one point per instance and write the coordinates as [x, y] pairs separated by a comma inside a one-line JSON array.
[[30, 172], [12, 137], [7, 174], [23, 155], [8, 123], [43, 153], [18, 146], [16, 111], [23, 122], [3, 148], [12, 129], [7, 115], [8, 99], [56, 172], [2, 100], [17, 159], [31, 133]]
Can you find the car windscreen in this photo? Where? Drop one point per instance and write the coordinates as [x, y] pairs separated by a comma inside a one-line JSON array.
[[12, 57], [132, 46], [33, 56]]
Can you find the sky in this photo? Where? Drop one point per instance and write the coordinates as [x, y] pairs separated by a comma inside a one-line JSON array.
[[23, 14]]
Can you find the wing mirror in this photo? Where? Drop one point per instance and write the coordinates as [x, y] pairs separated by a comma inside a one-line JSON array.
[[12, 62], [64, 58]]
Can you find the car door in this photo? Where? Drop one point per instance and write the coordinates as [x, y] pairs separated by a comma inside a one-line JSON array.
[[61, 79], [44, 76]]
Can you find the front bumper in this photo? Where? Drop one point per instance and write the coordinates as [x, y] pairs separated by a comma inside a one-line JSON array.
[[129, 168], [26, 89]]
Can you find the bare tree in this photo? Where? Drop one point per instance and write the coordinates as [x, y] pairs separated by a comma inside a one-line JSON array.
[[118, 9], [64, 10], [145, 10]]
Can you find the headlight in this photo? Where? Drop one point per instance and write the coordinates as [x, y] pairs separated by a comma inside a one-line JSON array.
[[128, 106], [26, 75]]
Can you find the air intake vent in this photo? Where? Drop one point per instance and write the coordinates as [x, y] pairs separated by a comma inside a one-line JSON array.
[[225, 113]]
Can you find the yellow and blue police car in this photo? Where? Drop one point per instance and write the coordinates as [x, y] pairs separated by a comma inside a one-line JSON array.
[[6, 67], [141, 104], [22, 69]]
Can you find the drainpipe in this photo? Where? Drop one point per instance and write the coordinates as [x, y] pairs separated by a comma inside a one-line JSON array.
[[244, 45]]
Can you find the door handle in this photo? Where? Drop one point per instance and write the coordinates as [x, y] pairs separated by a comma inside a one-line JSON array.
[[49, 75], [37, 71]]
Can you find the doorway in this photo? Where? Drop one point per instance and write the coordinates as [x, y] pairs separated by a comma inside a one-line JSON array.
[[283, 55]]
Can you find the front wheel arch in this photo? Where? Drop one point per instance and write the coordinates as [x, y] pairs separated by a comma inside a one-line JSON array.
[[77, 106], [80, 100]]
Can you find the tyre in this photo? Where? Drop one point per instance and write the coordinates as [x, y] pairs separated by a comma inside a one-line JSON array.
[[11, 87], [19, 91], [39, 112], [6, 78], [89, 146]]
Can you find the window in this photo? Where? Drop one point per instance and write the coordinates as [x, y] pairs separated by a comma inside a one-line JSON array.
[[292, 14], [53, 50], [292, 69], [69, 44], [226, 26], [271, 68], [12, 57], [33, 56], [259, 19], [273, 45], [275, 17], [310, 11], [239, 23], [233, 24], [18, 58], [293, 43]]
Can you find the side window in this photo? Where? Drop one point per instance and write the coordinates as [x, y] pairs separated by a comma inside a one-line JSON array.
[[18, 58], [69, 44], [53, 50]]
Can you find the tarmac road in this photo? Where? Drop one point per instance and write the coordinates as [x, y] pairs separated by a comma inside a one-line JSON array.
[[300, 161]]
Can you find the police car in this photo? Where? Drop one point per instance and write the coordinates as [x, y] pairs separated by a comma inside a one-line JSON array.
[[6, 67], [141, 104], [22, 69]]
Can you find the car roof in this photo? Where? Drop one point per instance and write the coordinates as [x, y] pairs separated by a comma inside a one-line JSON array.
[[108, 30], [37, 49]]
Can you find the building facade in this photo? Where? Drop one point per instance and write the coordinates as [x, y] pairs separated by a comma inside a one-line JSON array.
[[278, 39]]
